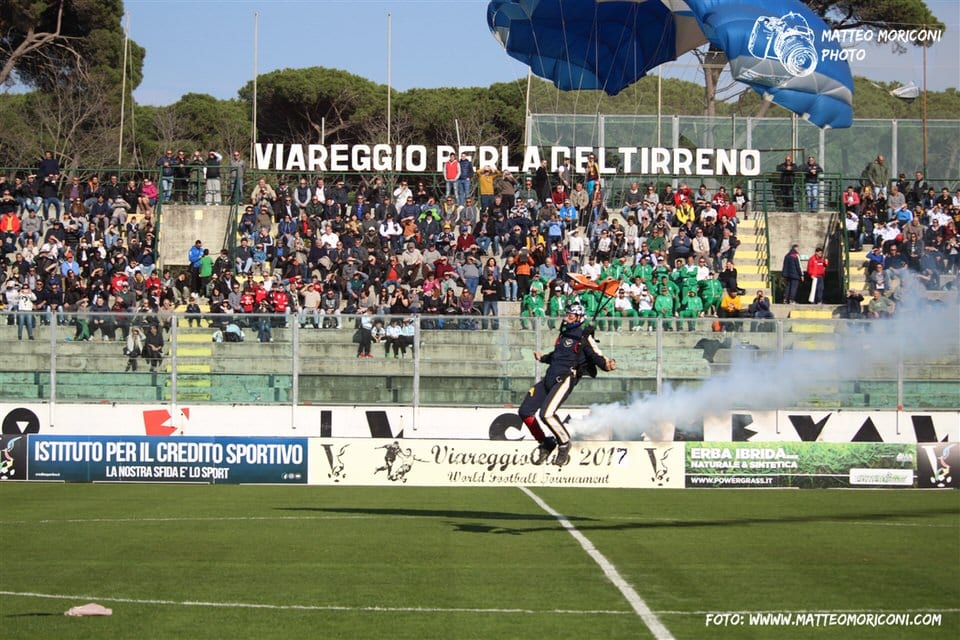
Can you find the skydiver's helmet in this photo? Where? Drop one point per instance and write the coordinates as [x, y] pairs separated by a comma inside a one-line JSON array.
[[576, 309]]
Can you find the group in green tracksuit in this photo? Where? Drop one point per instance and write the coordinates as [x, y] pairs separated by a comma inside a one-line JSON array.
[[556, 304], [665, 305], [534, 303], [691, 307], [711, 292]]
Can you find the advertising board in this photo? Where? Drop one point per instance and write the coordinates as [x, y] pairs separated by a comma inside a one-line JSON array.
[[153, 459], [451, 463], [799, 464]]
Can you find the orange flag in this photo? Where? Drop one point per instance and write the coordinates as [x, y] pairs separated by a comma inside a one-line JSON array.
[[608, 287]]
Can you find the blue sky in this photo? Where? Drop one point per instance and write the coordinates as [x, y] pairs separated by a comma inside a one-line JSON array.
[[206, 46]]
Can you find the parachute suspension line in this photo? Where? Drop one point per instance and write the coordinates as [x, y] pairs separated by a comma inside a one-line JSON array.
[[536, 44], [566, 51]]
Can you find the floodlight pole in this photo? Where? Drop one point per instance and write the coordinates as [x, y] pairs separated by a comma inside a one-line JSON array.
[[389, 90], [659, 103], [123, 92], [253, 132], [924, 45]]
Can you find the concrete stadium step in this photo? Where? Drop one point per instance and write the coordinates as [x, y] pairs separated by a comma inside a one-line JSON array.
[[16, 378], [811, 314], [140, 378], [96, 393], [24, 391], [857, 274]]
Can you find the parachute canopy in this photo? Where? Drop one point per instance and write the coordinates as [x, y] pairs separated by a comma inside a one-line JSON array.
[[779, 47]]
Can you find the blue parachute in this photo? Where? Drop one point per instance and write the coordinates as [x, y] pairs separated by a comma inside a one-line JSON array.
[[778, 47]]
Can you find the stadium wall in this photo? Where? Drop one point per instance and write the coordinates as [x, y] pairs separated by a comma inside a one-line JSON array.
[[460, 423]]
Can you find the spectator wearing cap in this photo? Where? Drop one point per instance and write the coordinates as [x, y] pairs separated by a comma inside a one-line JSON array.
[[411, 264], [470, 272], [446, 240], [69, 265], [429, 222], [568, 214], [449, 210], [527, 192], [391, 233], [24, 306], [546, 213], [442, 267], [261, 265], [484, 232], [430, 255], [465, 240]]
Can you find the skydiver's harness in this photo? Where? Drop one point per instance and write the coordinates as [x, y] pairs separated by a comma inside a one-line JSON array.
[[587, 368]]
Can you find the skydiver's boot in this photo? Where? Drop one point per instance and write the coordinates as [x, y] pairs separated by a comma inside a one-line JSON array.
[[544, 450], [563, 453]]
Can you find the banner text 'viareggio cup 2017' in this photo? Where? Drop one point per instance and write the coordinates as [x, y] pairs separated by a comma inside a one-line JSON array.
[[152, 459], [479, 463], [800, 464]]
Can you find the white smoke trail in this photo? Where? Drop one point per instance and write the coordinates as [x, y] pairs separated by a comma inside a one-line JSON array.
[[919, 332]]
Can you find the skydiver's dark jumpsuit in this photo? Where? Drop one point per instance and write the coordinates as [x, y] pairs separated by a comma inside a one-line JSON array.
[[575, 354]]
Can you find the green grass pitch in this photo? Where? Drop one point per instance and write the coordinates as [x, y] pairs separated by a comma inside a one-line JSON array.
[[308, 562]]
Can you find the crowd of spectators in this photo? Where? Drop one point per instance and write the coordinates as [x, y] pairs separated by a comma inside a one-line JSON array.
[[310, 251], [309, 248], [81, 245], [911, 229]]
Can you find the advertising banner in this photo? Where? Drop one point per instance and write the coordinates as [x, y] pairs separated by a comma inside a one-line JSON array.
[[13, 457], [937, 465], [800, 464], [452, 463], [153, 459]]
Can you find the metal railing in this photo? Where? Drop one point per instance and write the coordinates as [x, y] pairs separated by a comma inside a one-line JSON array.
[[455, 361]]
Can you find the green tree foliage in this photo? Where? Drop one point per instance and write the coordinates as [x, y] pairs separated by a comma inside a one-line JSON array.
[[70, 54], [491, 116], [875, 14], [195, 121], [47, 41], [307, 104]]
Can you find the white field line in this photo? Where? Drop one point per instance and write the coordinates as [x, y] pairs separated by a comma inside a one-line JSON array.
[[308, 607], [808, 611], [373, 609], [868, 523], [372, 517], [200, 519], [639, 606]]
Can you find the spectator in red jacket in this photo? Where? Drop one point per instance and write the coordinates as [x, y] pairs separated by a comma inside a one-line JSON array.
[[816, 271]]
